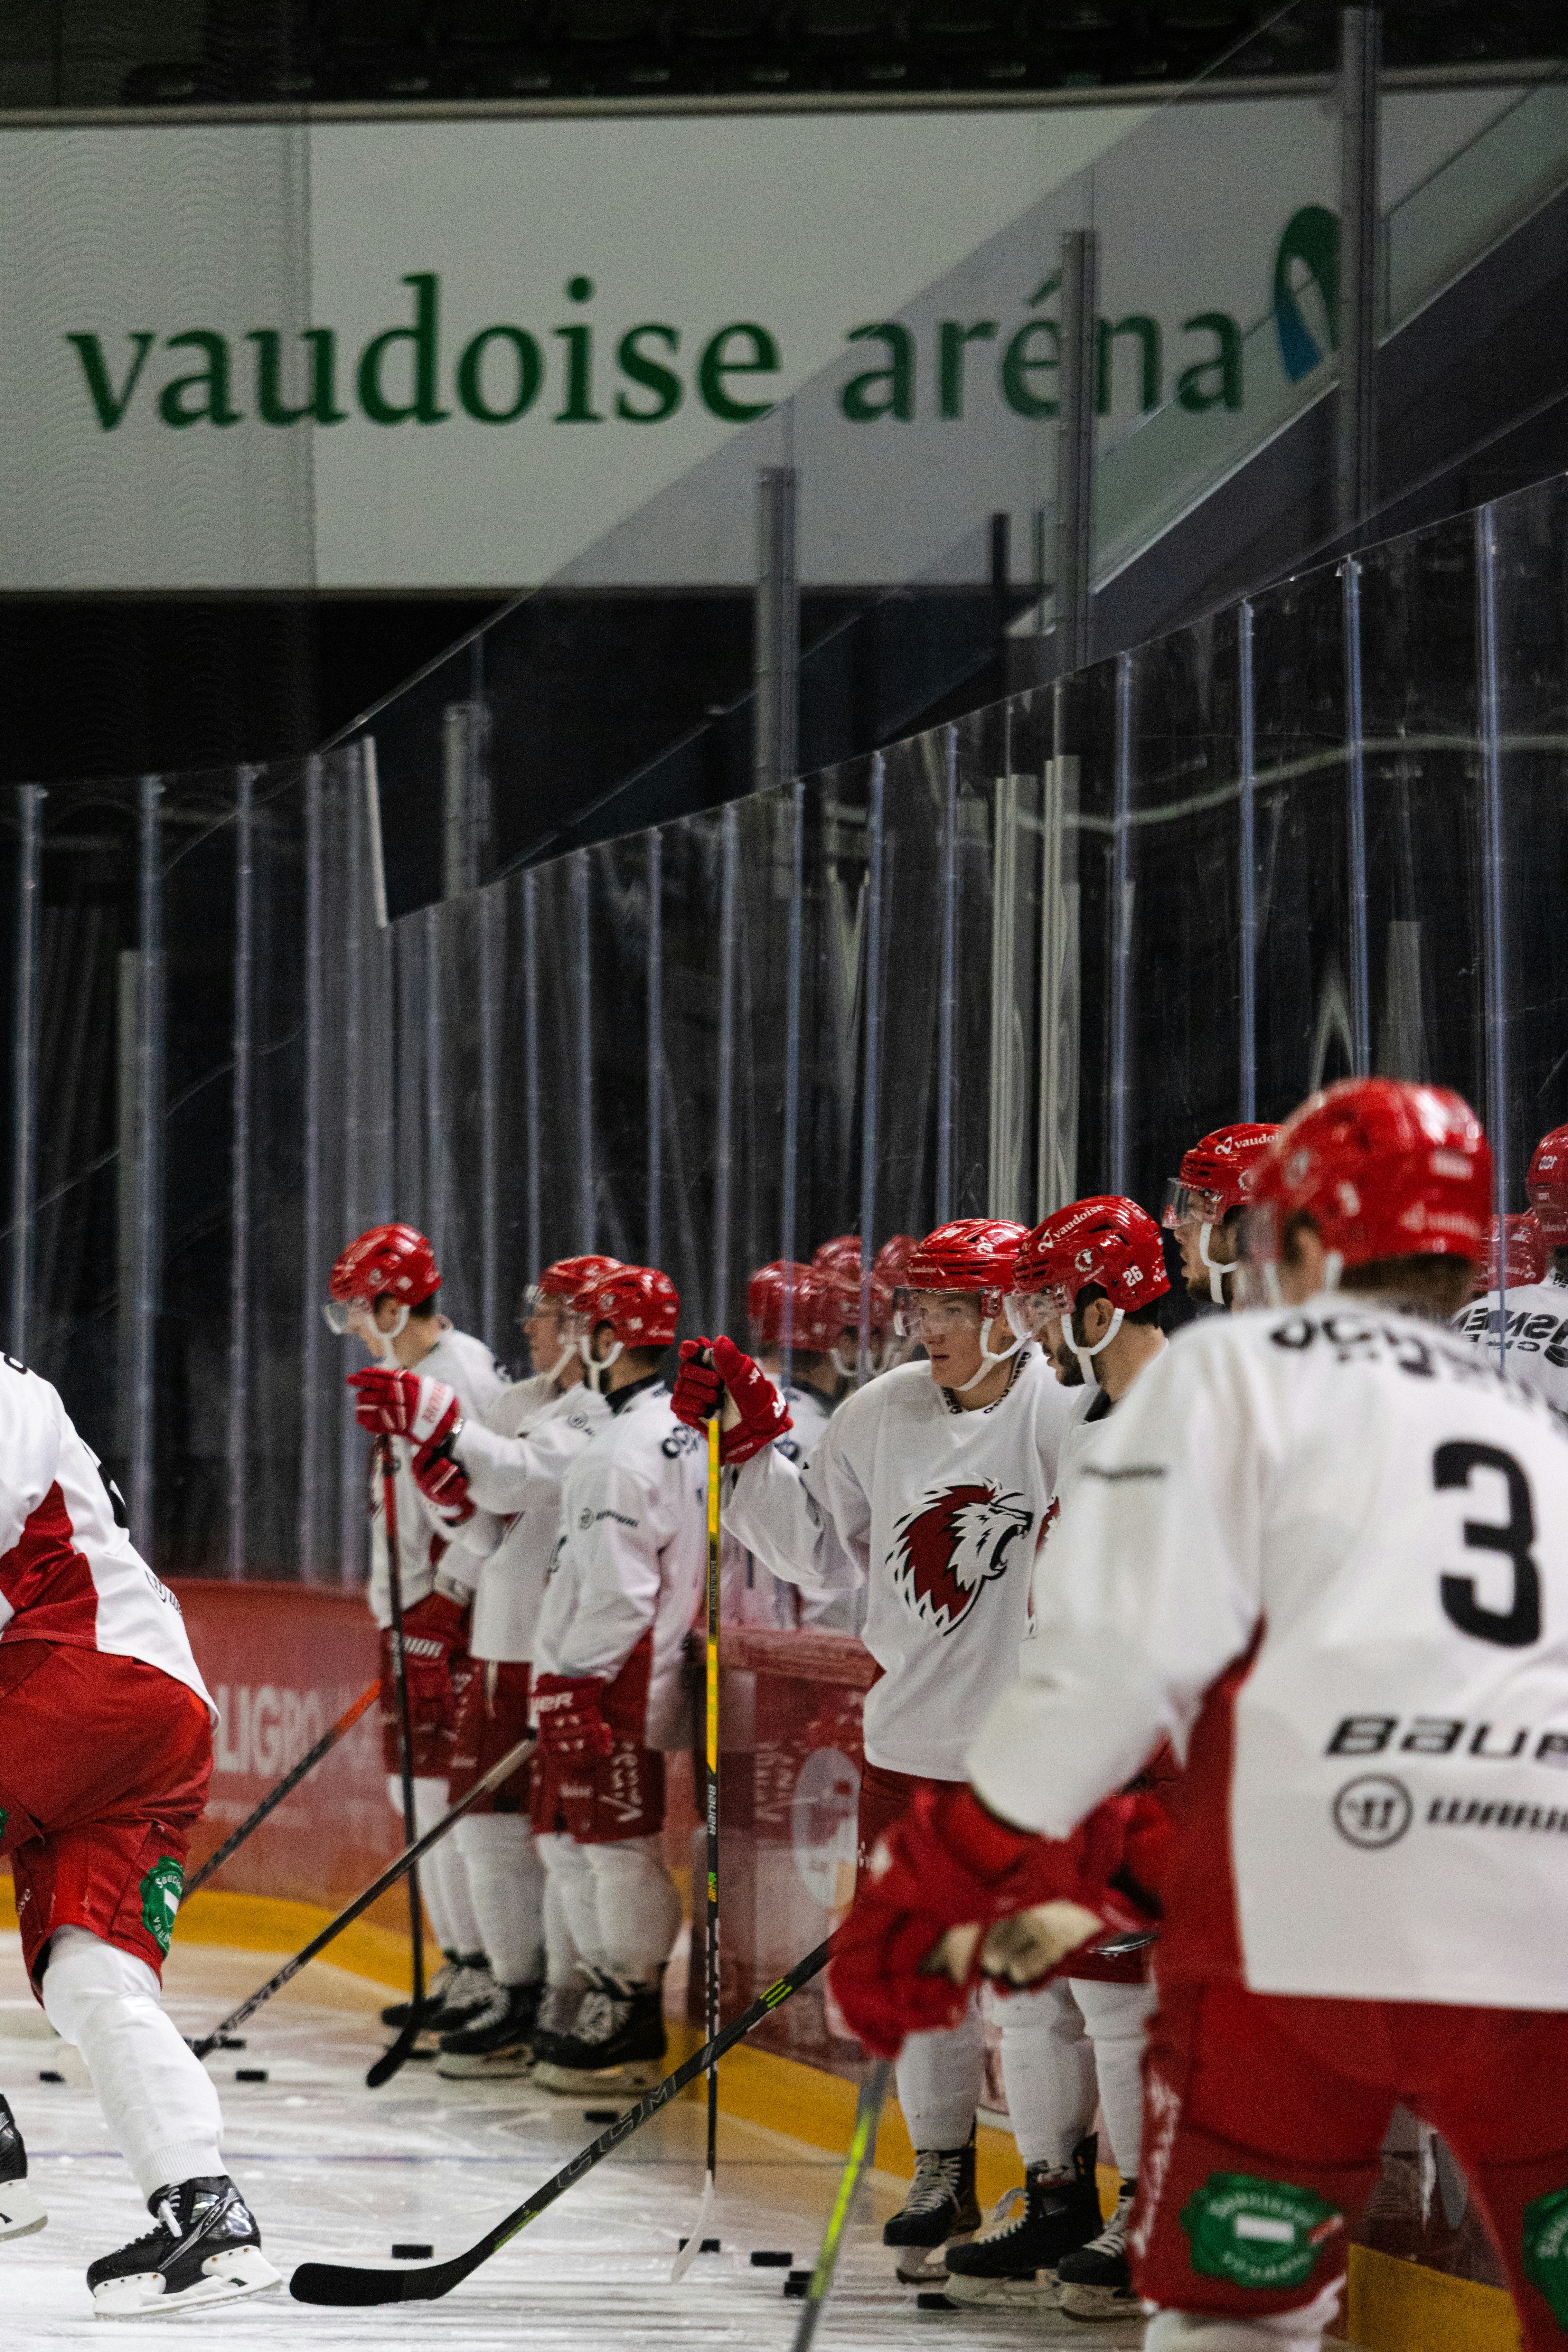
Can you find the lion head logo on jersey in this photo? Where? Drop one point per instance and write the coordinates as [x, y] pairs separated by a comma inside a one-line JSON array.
[[958, 1541]]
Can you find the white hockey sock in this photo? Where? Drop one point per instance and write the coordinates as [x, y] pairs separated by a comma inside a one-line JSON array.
[[560, 1953], [506, 1881], [1281, 2331], [940, 2078], [1115, 2015], [450, 1919], [639, 1907], [1047, 2067], [571, 1885], [157, 2098], [445, 1869]]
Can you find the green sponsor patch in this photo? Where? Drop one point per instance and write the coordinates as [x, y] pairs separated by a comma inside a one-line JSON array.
[[1546, 2250], [1258, 2233], [160, 1892], [4, 1817]]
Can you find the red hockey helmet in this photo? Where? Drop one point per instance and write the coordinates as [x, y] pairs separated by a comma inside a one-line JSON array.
[[1383, 1167], [814, 1318], [832, 1258], [890, 1264], [641, 1305], [1546, 1186], [1526, 1253], [1216, 1175], [389, 1261], [971, 1254], [1105, 1239], [561, 1282]]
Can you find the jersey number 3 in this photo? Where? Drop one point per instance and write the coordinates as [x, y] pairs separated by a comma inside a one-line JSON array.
[[1516, 1627]]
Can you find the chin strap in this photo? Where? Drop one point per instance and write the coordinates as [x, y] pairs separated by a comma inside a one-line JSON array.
[[988, 1362], [562, 1360], [1085, 1356], [597, 1365], [1333, 1266], [1218, 1267]]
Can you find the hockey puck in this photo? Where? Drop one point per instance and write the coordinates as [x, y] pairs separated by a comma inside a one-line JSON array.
[[250, 2073], [796, 2285], [231, 2041], [604, 2115], [48, 2074], [764, 2262], [412, 2252], [929, 2302]]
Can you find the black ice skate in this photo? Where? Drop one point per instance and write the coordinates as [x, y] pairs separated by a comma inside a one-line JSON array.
[[1095, 2282], [1016, 2263], [497, 2044], [557, 2019], [206, 2250], [941, 2205], [398, 2013], [20, 2212], [616, 2042]]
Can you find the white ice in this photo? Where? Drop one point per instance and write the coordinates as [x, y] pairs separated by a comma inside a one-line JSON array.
[[338, 2172]]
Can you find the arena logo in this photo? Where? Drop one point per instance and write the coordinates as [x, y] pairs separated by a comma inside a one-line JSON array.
[[583, 371], [265, 1730]]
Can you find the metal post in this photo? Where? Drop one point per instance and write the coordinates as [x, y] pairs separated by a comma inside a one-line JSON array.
[[492, 952], [1075, 448], [947, 1003], [583, 980], [240, 1387], [1493, 904], [1247, 854], [24, 1068], [530, 1088], [434, 1152], [724, 1121], [1355, 793], [1121, 887], [465, 797], [315, 1413], [655, 986], [1355, 476], [141, 1166], [868, 1123], [356, 1181], [775, 660], [793, 978]]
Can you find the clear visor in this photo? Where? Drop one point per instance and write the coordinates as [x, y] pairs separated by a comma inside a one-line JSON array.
[[1032, 1314], [931, 1314], [343, 1315], [538, 1303], [1190, 1204]]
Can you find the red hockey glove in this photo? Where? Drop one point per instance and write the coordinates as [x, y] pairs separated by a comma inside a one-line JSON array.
[[435, 1632], [571, 1723], [443, 1481], [699, 1389], [403, 1404], [950, 1866]]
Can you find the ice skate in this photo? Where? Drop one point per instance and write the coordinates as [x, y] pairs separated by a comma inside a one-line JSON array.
[[397, 2013], [1016, 2263], [20, 2212], [616, 2044], [941, 2206], [206, 2250], [498, 2044], [1094, 2281]]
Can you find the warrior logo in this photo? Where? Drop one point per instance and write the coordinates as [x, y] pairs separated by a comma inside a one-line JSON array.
[[958, 1541]]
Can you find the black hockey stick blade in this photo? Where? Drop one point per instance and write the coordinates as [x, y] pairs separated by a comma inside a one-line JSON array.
[[396, 2054], [510, 1763], [862, 2146], [341, 2283]]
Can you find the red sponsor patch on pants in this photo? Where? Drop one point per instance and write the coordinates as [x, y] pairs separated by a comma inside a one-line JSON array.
[[104, 1765], [492, 1719]]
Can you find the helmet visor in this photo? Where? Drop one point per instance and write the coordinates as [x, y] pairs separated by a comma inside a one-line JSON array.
[[343, 1315], [1032, 1314], [1190, 1204], [932, 1314]]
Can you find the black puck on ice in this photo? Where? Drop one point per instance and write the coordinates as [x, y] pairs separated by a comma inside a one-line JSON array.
[[412, 2252], [48, 2074], [708, 2245], [250, 2073], [797, 2282], [929, 2302], [231, 2041], [766, 2262], [603, 2116]]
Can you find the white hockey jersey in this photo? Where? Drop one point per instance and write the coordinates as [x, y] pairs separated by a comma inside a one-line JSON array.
[[516, 1454], [466, 1365], [68, 1572], [750, 1593], [937, 1512], [626, 1577], [1537, 1338], [1325, 1550]]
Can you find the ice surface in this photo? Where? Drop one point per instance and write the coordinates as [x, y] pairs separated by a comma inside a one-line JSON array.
[[339, 2172]]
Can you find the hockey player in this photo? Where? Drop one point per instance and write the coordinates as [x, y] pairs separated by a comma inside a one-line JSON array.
[[929, 1489], [1324, 1549], [1536, 1340], [1089, 1282], [105, 1756], [1204, 1203], [784, 1298], [383, 1291], [609, 1692], [494, 1483]]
